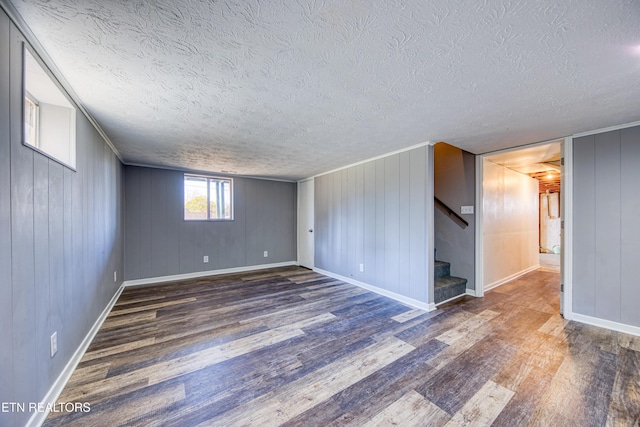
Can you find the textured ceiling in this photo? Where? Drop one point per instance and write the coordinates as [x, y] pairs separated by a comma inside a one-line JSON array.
[[291, 88]]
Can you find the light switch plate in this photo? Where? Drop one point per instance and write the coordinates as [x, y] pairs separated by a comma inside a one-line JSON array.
[[466, 210]]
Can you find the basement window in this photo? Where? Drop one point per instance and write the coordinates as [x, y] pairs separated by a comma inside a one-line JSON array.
[[49, 117], [208, 198]]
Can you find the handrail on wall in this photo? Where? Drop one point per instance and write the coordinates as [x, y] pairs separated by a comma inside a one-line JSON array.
[[452, 214]]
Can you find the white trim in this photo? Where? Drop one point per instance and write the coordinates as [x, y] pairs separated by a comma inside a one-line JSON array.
[[298, 220], [607, 129], [300, 181], [37, 47], [511, 277], [471, 292], [400, 298], [382, 156], [203, 172], [607, 324], [523, 147], [38, 418], [163, 279], [479, 268], [567, 216], [430, 242]]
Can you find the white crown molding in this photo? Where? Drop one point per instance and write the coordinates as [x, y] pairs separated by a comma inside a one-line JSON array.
[[39, 50], [205, 173], [607, 129], [382, 156]]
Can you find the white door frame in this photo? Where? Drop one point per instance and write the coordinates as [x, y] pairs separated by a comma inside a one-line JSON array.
[[567, 229], [303, 229], [479, 279], [566, 204]]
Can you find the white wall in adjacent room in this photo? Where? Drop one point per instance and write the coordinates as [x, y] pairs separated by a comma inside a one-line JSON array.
[[550, 221], [510, 221]]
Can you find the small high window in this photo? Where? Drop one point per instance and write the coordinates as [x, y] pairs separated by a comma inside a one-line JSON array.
[[208, 198], [49, 117]]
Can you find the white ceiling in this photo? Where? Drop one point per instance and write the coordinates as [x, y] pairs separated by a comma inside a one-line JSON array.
[[537, 158], [291, 88]]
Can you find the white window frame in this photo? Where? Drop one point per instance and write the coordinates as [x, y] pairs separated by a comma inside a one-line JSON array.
[[209, 179], [53, 96]]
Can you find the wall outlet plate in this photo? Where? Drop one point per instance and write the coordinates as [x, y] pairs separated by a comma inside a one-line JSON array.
[[115, 276], [266, 254], [361, 268], [54, 343], [205, 259]]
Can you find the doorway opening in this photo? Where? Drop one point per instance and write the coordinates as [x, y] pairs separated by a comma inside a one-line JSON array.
[[306, 245], [521, 222]]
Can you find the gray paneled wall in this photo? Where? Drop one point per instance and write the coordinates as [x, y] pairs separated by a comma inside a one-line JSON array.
[[454, 181], [377, 214], [61, 239], [160, 243], [606, 230]]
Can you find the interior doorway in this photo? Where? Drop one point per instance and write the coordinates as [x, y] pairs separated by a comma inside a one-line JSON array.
[[306, 252], [520, 226]]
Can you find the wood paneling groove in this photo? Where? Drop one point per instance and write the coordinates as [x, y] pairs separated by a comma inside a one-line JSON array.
[[60, 242], [159, 242], [375, 215], [6, 288], [606, 233], [226, 355]]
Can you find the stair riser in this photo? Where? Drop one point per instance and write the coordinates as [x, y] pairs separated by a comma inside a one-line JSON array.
[[444, 294], [442, 269]]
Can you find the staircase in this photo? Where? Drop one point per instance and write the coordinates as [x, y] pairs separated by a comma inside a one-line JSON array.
[[447, 286]]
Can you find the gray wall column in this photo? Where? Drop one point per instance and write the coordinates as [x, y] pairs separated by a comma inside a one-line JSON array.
[[606, 230], [377, 214]]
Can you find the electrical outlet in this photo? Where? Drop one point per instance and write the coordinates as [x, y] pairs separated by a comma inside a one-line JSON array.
[[115, 276], [266, 254], [361, 268], [205, 259], [54, 344], [466, 210]]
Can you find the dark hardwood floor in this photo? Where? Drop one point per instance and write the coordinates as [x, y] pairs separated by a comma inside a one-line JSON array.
[[292, 347]]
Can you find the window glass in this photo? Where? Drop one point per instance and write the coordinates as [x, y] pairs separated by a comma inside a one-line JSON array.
[[195, 198], [208, 198], [220, 198]]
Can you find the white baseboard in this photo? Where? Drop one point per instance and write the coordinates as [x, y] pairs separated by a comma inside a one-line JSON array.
[[471, 292], [607, 324], [162, 279], [400, 298], [510, 278], [49, 400]]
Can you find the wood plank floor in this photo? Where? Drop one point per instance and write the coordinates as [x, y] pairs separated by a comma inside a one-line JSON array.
[[292, 347]]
